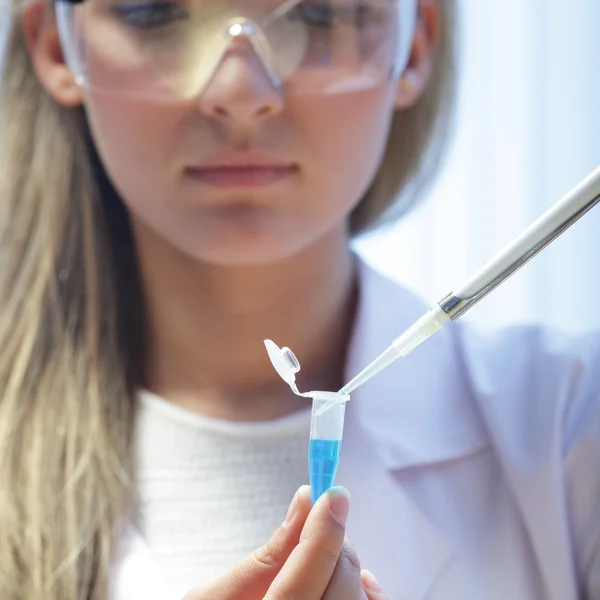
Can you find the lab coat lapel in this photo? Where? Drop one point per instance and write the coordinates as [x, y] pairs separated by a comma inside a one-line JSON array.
[[391, 535], [414, 415]]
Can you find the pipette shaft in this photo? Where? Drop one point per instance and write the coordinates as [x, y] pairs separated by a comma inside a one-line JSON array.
[[455, 304]]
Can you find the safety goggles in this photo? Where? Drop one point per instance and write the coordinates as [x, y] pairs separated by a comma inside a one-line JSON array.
[[170, 49]]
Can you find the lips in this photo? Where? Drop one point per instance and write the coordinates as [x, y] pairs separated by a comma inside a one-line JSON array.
[[241, 169], [242, 175]]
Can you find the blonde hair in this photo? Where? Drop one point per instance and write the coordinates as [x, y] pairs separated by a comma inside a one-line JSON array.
[[71, 332], [417, 139]]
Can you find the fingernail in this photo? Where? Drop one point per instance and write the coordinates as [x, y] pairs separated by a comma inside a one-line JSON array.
[[292, 509], [370, 582], [339, 503]]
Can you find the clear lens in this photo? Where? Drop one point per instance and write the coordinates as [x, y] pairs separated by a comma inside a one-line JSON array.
[[171, 48]]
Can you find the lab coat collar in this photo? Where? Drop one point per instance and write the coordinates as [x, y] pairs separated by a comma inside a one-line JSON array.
[[419, 410], [391, 533]]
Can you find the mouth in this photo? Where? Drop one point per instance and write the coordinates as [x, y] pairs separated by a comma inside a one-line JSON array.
[[241, 176], [241, 170]]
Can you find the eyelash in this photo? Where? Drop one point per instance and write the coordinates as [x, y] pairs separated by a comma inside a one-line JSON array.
[[312, 13], [151, 15], [319, 15]]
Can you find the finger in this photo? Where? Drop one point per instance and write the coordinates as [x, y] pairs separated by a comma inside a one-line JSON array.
[[250, 579], [346, 580], [372, 587], [311, 564]]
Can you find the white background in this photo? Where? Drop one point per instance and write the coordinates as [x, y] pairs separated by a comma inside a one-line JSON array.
[[528, 130]]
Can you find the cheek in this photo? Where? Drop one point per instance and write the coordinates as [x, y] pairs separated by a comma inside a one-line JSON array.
[[132, 140], [348, 135]]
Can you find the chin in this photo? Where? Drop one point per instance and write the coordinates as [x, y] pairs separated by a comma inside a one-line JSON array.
[[258, 251], [244, 257], [246, 237]]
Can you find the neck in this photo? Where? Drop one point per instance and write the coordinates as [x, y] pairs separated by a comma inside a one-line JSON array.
[[207, 325]]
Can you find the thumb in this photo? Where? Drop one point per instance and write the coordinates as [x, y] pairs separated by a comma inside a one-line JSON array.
[[250, 578]]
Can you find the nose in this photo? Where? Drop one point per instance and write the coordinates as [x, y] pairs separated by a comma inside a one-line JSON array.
[[241, 90]]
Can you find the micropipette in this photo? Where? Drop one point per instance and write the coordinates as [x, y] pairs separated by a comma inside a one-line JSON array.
[[455, 304], [326, 428]]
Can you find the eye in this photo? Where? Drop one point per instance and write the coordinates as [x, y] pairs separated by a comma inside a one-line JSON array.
[[151, 15], [324, 15], [315, 14], [363, 15]]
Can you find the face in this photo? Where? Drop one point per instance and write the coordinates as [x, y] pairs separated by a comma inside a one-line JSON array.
[[243, 172]]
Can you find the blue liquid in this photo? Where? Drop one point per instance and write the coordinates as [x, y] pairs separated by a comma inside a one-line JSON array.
[[323, 460]]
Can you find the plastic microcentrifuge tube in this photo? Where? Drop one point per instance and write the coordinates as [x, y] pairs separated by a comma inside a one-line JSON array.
[[326, 430]]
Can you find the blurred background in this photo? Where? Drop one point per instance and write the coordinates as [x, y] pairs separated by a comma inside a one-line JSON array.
[[527, 130]]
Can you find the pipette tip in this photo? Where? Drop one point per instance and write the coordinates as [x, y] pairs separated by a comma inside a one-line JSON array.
[[403, 345]]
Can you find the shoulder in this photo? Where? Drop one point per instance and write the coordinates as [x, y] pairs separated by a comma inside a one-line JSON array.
[[538, 393], [534, 382]]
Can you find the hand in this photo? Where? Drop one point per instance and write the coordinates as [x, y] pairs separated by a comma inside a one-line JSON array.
[[307, 558]]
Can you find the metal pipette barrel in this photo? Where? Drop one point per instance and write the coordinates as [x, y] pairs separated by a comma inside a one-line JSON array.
[[533, 240]]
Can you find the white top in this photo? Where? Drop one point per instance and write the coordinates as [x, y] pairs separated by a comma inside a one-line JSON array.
[[473, 464], [211, 491]]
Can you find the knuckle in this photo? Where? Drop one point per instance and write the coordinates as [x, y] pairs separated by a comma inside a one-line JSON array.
[[264, 558], [327, 542], [335, 530], [346, 581], [351, 557], [337, 535], [330, 548]]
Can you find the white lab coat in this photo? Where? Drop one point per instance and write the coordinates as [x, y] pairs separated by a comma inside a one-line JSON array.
[[473, 465]]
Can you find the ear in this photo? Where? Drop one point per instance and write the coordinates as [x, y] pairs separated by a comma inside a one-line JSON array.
[[41, 36], [413, 81]]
